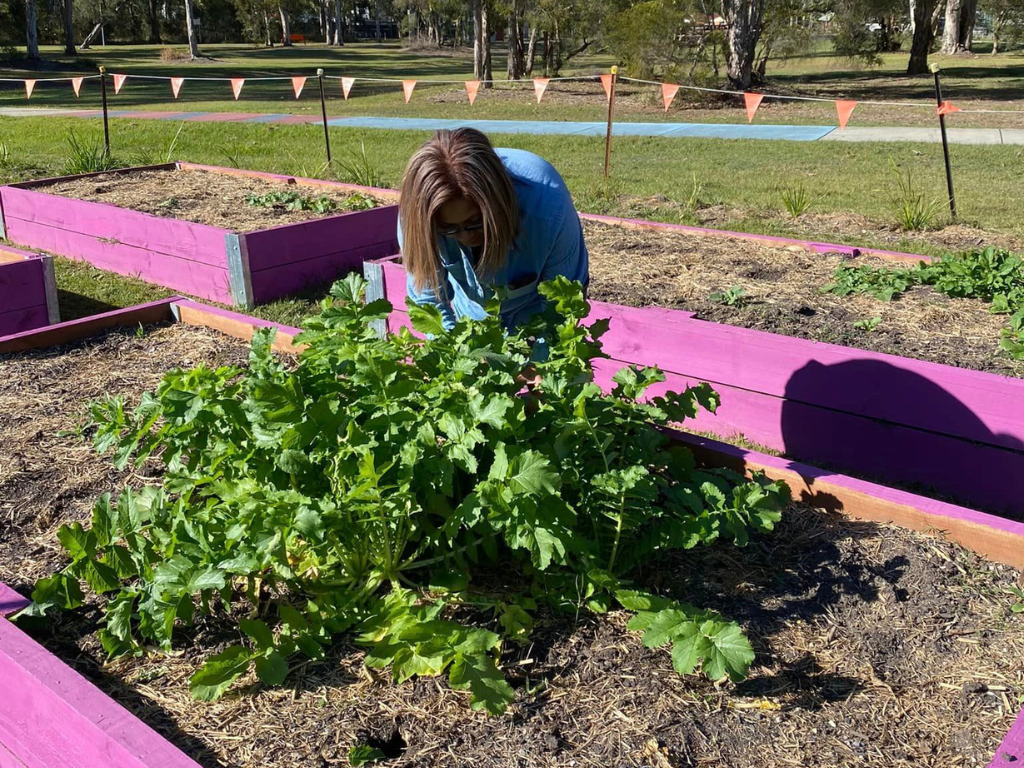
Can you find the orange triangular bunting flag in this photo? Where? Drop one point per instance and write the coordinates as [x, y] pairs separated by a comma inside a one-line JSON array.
[[844, 109], [668, 92], [472, 86], [346, 85], [297, 85], [118, 82], [606, 83], [753, 101], [946, 108], [407, 86], [236, 86], [176, 83], [76, 84], [29, 87], [540, 84]]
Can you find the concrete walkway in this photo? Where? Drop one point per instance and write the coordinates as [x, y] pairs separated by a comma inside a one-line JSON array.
[[673, 130]]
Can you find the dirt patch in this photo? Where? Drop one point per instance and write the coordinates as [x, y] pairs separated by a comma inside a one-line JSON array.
[[876, 646], [782, 294], [203, 197]]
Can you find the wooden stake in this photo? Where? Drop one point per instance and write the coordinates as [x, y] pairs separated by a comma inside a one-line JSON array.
[[611, 115], [323, 111]]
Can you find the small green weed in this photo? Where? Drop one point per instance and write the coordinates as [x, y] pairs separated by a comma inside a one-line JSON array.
[[734, 296], [868, 324], [81, 157], [797, 200], [695, 200], [883, 284], [5, 156], [364, 754], [1018, 593], [912, 210]]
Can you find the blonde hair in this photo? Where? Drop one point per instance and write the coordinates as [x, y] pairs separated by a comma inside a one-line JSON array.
[[453, 164]]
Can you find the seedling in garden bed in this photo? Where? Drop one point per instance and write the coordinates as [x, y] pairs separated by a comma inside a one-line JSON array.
[[293, 201], [376, 487], [734, 296], [1017, 592], [868, 324]]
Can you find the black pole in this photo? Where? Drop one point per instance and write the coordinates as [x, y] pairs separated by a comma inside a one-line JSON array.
[[323, 111], [106, 123], [945, 143]]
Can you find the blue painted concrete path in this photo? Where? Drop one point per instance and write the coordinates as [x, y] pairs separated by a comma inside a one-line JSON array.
[[671, 130]]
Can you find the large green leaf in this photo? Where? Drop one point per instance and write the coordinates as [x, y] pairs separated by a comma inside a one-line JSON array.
[[478, 673], [219, 672]]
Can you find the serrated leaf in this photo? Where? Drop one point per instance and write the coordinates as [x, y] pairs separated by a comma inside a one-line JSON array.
[[729, 652], [257, 631], [530, 473], [219, 673], [426, 319], [666, 625], [78, 542], [61, 590], [363, 754], [271, 669], [479, 674]]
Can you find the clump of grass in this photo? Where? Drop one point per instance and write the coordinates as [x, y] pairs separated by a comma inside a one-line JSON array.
[[797, 200], [5, 156], [175, 54], [913, 211], [82, 157], [358, 168]]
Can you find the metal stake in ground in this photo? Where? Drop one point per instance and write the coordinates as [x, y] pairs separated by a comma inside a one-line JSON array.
[[945, 142], [106, 124], [608, 133], [323, 111]]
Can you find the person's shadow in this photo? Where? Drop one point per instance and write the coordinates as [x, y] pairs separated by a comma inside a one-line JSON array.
[[918, 435]]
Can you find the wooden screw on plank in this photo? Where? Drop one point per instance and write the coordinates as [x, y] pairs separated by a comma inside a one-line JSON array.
[[106, 124], [611, 114], [323, 111], [945, 142]]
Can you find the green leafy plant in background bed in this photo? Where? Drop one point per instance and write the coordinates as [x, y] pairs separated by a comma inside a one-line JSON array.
[[994, 275], [404, 491], [293, 201]]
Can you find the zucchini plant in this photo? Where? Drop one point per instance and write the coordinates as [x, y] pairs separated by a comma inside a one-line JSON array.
[[405, 491]]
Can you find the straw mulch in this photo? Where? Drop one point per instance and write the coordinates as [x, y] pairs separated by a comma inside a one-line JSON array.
[[876, 646]]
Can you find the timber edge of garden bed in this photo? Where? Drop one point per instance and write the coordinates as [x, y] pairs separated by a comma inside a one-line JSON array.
[[213, 263], [49, 711], [28, 291]]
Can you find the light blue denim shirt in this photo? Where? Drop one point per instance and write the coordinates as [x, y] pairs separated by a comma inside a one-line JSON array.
[[549, 244]]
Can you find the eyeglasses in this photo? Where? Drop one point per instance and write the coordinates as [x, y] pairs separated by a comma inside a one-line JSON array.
[[452, 231]]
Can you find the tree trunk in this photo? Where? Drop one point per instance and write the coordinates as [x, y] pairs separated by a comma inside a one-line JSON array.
[[193, 35], [921, 15], [745, 19], [478, 40], [31, 30], [339, 34], [267, 32], [69, 28], [154, 22], [531, 52], [516, 64], [376, 20], [937, 13], [91, 37], [286, 33]]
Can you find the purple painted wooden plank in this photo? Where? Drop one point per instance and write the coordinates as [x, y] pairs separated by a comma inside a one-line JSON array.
[[973, 473], [966, 404], [174, 237], [52, 717], [308, 240], [237, 317], [270, 284], [25, 319], [10, 601], [203, 280], [784, 242], [22, 284], [73, 330], [1011, 752]]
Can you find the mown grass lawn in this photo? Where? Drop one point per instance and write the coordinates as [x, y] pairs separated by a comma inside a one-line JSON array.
[[661, 179]]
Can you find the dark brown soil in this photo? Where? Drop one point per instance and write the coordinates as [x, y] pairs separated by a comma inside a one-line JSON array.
[[203, 197], [782, 294], [876, 646]]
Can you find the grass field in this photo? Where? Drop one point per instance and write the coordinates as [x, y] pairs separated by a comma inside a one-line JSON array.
[[726, 184], [974, 82]]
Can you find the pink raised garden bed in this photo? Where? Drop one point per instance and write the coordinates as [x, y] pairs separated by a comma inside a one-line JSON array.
[[28, 291], [209, 262], [52, 717], [956, 433]]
